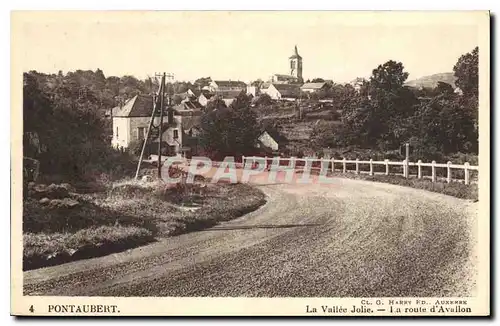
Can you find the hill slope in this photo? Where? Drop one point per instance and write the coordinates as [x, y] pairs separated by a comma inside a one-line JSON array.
[[432, 80]]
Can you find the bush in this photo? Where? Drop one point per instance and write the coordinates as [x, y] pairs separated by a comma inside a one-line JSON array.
[[135, 148]]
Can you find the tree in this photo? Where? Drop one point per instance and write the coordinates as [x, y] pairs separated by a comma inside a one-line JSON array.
[[318, 80], [229, 131], [466, 71], [63, 115], [202, 82], [263, 100], [215, 103], [443, 125], [443, 88], [257, 82], [177, 99], [389, 77]]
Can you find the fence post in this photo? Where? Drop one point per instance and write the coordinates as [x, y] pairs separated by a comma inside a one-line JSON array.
[[386, 166], [419, 169], [243, 161], [448, 168], [404, 168], [433, 171], [344, 166], [371, 166], [333, 165], [357, 165], [466, 172], [292, 162]]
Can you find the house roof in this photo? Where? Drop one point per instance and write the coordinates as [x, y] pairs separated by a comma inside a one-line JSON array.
[[185, 95], [138, 106], [112, 111], [288, 90], [228, 94], [279, 138], [295, 55], [230, 83], [313, 85], [188, 105]]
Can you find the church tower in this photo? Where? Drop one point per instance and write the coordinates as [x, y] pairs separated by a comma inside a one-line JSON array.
[[296, 65]]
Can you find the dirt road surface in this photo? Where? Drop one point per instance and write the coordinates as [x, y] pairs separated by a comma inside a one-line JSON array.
[[351, 238]]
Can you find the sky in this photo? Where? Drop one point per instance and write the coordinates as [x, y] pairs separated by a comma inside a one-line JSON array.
[[242, 45]]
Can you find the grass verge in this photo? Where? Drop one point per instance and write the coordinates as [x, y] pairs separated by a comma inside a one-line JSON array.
[[127, 215], [455, 189]]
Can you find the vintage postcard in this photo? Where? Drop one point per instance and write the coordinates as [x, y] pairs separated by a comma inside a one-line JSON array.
[[250, 163]]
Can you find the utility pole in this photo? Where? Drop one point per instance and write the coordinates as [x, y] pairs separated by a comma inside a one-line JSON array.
[[160, 134], [162, 108]]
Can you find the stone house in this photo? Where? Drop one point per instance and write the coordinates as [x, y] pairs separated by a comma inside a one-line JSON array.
[[131, 122], [314, 87], [283, 91]]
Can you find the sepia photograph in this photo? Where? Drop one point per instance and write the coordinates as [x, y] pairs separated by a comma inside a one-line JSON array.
[[312, 163]]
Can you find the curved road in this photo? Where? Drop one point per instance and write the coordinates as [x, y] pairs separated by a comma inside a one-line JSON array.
[[349, 239]]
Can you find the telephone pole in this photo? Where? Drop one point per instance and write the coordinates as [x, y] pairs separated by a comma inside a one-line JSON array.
[[158, 108], [170, 76]]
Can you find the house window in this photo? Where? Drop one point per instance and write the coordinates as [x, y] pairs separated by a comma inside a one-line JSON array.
[[176, 133], [140, 133], [292, 64], [116, 132]]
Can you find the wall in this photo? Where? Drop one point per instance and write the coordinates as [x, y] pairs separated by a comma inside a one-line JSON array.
[[127, 130], [268, 141], [202, 100], [123, 132], [275, 94], [272, 92]]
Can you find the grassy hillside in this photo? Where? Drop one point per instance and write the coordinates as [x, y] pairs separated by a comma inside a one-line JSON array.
[[432, 80]]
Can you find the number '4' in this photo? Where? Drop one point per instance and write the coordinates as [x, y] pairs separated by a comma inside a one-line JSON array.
[[32, 309]]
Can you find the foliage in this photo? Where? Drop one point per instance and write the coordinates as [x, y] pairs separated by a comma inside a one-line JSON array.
[[466, 71], [135, 147], [202, 82], [389, 77], [384, 113], [263, 100], [66, 115], [229, 131]]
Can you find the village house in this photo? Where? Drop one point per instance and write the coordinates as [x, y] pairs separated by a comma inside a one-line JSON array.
[[204, 97], [282, 91], [314, 87], [227, 90], [253, 90], [189, 94], [271, 140], [284, 79], [357, 83], [222, 86], [131, 123]]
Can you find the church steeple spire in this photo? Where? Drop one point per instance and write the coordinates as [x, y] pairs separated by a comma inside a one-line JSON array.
[[295, 54], [296, 65]]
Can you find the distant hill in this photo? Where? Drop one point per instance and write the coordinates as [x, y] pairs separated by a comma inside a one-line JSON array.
[[432, 80]]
